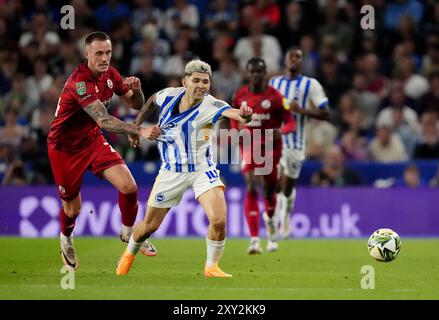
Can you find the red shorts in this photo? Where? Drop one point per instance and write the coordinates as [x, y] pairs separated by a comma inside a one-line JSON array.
[[249, 163], [68, 168]]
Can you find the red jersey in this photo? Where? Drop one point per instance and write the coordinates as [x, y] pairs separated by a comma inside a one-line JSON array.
[[270, 108], [72, 128]]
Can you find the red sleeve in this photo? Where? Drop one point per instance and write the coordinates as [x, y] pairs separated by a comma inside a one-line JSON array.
[[233, 123], [83, 91], [120, 88]]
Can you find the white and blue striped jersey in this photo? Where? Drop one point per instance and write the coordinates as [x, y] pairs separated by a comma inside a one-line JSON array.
[[185, 144], [308, 93]]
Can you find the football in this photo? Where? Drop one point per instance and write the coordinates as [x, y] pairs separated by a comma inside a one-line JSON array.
[[384, 245]]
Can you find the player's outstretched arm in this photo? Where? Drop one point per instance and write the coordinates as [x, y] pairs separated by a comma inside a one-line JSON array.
[[99, 113], [134, 97], [146, 110], [243, 114], [320, 114]]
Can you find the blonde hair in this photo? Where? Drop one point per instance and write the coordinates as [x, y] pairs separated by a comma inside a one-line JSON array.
[[197, 66]]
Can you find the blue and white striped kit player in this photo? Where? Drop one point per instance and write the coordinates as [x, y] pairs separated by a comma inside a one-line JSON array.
[[185, 148], [308, 93]]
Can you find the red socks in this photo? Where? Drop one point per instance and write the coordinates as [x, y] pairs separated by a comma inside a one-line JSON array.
[[66, 223], [251, 209], [128, 208], [270, 205]]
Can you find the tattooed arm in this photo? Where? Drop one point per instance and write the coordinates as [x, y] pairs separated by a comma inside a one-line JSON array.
[[146, 110], [99, 113]]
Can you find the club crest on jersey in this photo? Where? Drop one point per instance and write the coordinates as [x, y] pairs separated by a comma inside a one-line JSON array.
[[266, 104], [110, 83], [61, 189], [159, 198], [80, 88]]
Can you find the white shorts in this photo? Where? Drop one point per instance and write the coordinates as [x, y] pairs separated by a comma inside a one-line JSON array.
[[169, 186], [291, 162]]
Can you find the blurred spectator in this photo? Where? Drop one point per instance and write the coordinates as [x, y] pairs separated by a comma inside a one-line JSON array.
[[320, 135], [430, 101], [353, 145], [15, 175], [259, 44], [430, 61], [428, 144], [415, 85], [398, 8], [268, 12], [182, 13], [387, 146], [337, 29], [151, 80], [310, 56], [402, 119], [334, 173], [122, 41], [146, 13], [221, 49], [6, 157], [83, 13], [293, 26], [174, 64], [367, 101], [53, 15], [226, 80], [47, 40], [150, 45], [434, 182], [18, 98], [109, 12], [39, 82], [377, 83], [333, 80], [221, 15], [12, 133], [411, 178]]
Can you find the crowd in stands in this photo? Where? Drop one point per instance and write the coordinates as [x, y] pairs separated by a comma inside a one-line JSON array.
[[382, 83]]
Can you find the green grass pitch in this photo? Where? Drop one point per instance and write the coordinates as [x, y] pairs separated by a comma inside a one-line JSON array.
[[301, 269]]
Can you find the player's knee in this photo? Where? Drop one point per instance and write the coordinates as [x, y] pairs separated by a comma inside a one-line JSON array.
[[218, 223], [128, 187], [72, 211]]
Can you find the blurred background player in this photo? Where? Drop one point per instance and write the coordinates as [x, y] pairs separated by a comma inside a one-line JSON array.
[[307, 99], [76, 143], [187, 115], [270, 110]]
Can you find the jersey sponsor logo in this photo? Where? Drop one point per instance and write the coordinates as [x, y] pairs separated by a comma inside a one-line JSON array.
[[170, 125], [110, 83], [86, 97], [80, 88], [266, 104], [159, 197], [218, 104], [62, 190]]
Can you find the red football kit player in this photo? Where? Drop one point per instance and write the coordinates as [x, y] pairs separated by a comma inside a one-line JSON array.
[[270, 111], [76, 144]]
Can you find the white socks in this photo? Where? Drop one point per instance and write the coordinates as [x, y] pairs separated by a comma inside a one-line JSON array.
[[215, 250], [287, 204], [126, 231], [133, 246], [65, 239]]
